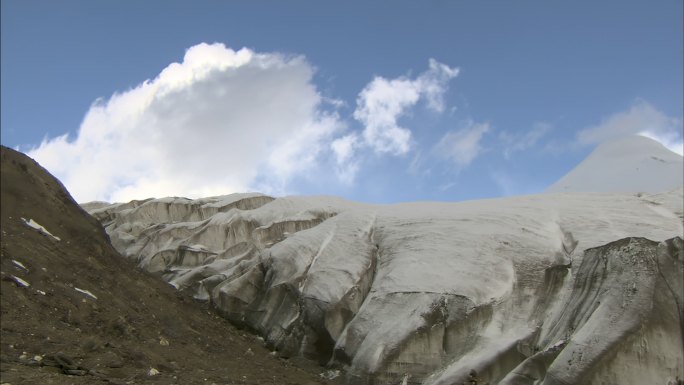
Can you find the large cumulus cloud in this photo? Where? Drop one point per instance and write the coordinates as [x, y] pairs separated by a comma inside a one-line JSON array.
[[212, 124]]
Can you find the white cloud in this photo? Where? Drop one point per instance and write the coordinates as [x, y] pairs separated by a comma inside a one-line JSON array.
[[210, 125], [642, 119], [344, 149], [521, 142], [382, 102], [462, 146], [433, 83], [671, 141]]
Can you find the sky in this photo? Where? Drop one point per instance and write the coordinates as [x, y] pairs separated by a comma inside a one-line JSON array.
[[381, 101]]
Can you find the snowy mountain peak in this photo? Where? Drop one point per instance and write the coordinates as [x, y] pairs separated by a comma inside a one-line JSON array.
[[631, 164]]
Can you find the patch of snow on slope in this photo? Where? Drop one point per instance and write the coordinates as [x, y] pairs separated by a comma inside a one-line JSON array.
[[86, 292], [33, 224]]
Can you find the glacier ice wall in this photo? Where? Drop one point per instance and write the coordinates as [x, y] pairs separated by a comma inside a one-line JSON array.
[[546, 289]]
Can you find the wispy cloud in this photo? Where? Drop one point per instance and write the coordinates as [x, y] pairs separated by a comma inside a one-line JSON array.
[[516, 142], [505, 182], [212, 124], [383, 101], [462, 146], [641, 119]]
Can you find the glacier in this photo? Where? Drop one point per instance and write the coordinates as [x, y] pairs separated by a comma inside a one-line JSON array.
[[557, 288]]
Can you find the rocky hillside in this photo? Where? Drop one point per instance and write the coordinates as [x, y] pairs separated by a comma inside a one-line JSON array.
[[73, 311], [552, 289]]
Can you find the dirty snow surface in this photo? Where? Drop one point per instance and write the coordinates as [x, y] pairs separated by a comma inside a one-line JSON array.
[[522, 288]]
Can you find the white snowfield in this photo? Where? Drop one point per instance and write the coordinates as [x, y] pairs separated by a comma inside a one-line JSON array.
[[631, 164], [427, 292]]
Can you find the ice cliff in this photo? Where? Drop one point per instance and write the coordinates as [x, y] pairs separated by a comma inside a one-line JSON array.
[[568, 288]]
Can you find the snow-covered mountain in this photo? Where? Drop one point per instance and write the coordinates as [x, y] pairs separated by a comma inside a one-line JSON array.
[[630, 164], [522, 288]]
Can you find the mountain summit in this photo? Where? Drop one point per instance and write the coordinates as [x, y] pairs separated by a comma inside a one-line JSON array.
[[631, 164]]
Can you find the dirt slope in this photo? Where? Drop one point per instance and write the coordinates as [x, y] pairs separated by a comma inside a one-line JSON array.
[[55, 332]]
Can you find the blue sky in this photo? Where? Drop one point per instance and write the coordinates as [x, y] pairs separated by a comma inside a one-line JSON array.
[[381, 101]]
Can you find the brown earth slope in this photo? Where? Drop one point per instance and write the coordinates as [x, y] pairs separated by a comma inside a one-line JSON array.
[[54, 332]]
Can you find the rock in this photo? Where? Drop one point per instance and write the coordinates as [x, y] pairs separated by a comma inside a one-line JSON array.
[[65, 363], [75, 372], [112, 360]]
